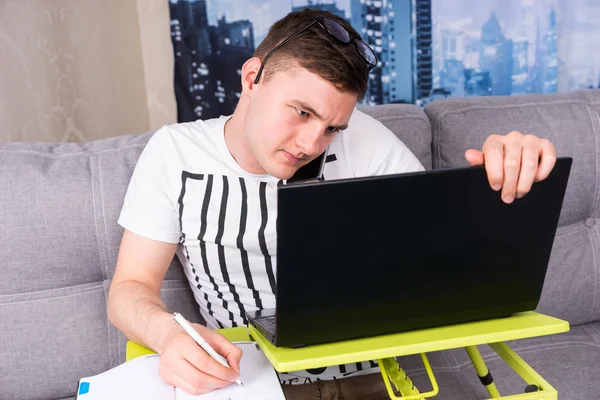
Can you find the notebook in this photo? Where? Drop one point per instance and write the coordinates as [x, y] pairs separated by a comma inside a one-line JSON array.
[[139, 379]]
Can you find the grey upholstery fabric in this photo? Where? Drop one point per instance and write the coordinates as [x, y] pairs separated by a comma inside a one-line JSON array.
[[572, 123], [60, 240], [49, 339]]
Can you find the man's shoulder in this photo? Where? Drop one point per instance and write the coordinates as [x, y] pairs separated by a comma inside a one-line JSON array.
[[370, 148], [198, 129], [364, 129], [185, 137], [363, 126], [360, 119]]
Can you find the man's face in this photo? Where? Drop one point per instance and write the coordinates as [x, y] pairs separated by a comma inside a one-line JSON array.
[[292, 118]]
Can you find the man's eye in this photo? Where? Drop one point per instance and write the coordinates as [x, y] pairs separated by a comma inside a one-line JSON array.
[[301, 113], [332, 129]]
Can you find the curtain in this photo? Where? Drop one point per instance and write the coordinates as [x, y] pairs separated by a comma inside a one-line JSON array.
[[78, 70]]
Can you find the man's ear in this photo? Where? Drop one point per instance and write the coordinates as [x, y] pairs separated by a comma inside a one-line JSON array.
[[249, 72]]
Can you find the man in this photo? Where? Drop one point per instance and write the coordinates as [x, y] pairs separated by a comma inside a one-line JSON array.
[[206, 191]]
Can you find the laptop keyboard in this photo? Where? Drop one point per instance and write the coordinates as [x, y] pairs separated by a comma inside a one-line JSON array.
[[268, 323], [266, 326]]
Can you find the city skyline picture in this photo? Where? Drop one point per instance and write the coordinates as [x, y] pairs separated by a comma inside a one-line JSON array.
[[427, 49]]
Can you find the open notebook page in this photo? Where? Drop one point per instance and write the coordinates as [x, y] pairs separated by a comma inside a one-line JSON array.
[[257, 374], [135, 379], [139, 379]]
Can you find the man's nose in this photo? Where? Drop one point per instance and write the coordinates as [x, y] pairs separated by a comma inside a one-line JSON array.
[[308, 140]]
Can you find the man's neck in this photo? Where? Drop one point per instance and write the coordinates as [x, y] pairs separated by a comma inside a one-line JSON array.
[[235, 141]]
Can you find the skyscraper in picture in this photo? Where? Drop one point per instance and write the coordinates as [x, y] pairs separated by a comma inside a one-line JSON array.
[[551, 59], [400, 43], [423, 48], [496, 56], [386, 27], [234, 44], [191, 45], [208, 60], [520, 71]]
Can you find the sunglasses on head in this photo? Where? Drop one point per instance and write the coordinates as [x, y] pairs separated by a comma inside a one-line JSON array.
[[336, 30]]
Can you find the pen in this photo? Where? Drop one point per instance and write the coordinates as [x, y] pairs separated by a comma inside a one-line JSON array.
[[189, 329]]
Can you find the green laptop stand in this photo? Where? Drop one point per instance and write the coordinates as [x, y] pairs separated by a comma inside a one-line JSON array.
[[386, 348]]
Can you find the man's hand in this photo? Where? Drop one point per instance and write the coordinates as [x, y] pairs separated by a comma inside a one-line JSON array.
[[184, 364], [514, 161]]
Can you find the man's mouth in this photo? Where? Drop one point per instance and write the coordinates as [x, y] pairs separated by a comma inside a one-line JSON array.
[[293, 159]]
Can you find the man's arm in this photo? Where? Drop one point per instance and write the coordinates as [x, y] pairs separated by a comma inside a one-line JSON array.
[[136, 309], [134, 304]]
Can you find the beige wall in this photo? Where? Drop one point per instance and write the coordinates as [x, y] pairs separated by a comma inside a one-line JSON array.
[[77, 70]]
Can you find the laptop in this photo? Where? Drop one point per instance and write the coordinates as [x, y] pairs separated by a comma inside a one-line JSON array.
[[385, 254]]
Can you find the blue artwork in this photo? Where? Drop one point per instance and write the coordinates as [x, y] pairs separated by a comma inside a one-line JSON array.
[[427, 49]]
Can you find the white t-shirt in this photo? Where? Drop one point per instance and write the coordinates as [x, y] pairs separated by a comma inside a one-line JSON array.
[[188, 189]]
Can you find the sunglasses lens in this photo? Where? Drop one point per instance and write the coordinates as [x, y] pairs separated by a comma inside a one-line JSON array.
[[366, 52], [337, 30]]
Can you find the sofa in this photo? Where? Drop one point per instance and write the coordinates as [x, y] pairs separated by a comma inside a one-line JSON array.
[[60, 239]]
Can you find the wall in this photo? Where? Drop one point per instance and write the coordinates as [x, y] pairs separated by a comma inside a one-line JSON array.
[[73, 70]]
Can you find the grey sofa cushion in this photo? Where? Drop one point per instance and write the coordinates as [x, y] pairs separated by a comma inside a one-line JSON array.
[[50, 339], [410, 124], [572, 123], [60, 204], [48, 224]]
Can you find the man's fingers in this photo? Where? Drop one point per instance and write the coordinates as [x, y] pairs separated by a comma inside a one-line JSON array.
[[548, 160], [529, 165], [205, 363], [231, 352], [493, 153], [514, 162], [474, 157], [177, 381], [201, 379], [512, 166], [233, 359], [182, 374]]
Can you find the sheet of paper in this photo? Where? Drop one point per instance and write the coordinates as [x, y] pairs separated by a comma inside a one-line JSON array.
[[257, 374], [140, 379], [135, 379]]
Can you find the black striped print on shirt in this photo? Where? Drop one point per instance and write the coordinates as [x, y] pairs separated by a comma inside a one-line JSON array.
[[224, 196]]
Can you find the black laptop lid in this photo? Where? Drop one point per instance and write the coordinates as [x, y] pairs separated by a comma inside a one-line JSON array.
[[384, 254]]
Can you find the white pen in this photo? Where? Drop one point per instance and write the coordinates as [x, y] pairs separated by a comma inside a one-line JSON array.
[[189, 329]]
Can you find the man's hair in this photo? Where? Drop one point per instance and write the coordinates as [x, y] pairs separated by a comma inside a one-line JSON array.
[[315, 50]]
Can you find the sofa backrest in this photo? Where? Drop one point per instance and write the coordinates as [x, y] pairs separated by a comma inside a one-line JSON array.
[[571, 121], [60, 240]]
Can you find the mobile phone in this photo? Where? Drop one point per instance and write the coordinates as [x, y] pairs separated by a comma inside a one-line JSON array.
[[313, 171]]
